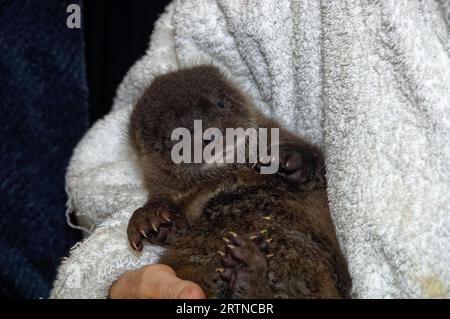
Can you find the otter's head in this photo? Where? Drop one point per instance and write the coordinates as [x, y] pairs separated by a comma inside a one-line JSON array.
[[174, 101]]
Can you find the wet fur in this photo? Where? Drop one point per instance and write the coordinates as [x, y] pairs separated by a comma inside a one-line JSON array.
[[282, 242]]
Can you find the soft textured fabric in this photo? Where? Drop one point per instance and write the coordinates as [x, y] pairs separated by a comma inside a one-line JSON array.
[[368, 81], [43, 115]]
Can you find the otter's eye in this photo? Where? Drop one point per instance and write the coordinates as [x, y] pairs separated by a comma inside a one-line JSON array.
[[220, 104]]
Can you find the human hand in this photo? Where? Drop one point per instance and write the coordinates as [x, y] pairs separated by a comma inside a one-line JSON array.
[[156, 281]]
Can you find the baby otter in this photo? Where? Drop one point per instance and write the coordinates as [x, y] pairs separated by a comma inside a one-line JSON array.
[[234, 231]]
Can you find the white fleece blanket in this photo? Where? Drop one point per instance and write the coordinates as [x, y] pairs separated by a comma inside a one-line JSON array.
[[368, 81]]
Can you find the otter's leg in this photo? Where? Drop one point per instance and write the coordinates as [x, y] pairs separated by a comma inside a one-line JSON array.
[[152, 222], [245, 267]]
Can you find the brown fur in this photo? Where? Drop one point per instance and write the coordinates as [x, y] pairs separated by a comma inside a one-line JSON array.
[[282, 241]]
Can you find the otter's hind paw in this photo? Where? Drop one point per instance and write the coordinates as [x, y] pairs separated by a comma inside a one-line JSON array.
[[245, 265]]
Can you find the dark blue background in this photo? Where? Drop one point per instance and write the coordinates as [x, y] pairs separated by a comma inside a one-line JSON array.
[[43, 114], [54, 82]]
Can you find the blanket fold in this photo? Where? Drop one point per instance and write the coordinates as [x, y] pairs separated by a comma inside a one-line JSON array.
[[369, 82]]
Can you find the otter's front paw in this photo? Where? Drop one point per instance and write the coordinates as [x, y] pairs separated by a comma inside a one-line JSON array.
[[300, 164], [151, 222], [245, 266]]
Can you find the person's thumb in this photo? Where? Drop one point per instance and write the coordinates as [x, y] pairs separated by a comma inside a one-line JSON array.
[[172, 287], [189, 290]]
